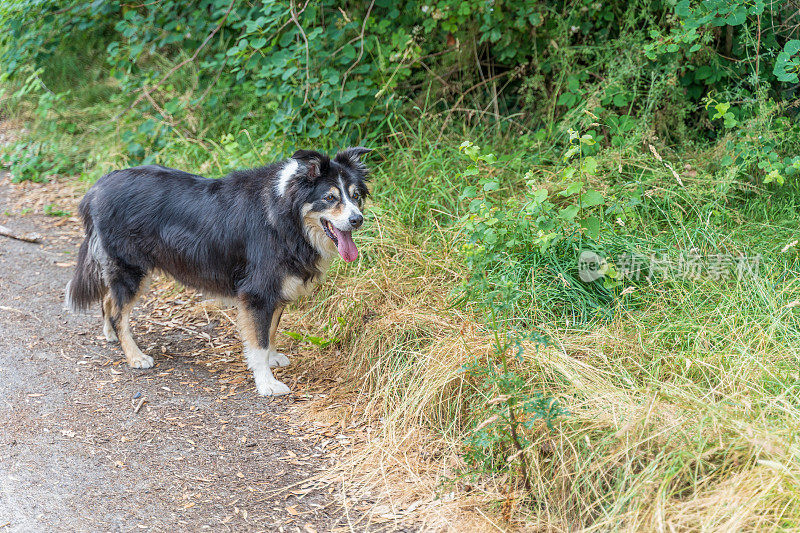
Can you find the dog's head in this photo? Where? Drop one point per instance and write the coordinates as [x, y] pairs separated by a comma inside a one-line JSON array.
[[330, 195]]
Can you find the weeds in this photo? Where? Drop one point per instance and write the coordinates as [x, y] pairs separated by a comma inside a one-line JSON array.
[[51, 210]]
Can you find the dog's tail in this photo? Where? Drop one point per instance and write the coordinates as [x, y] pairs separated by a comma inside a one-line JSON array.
[[87, 284]]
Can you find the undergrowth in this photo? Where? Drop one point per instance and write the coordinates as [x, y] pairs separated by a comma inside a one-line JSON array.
[[674, 409]]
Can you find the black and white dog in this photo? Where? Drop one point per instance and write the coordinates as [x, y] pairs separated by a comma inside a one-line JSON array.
[[263, 237]]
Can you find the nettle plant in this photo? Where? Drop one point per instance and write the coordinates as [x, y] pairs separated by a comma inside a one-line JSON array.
[[759, 146], [501, 229], [508, 410], [509, 407]]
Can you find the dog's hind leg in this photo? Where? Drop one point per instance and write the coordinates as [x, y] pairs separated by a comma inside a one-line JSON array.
[[108, 329], [276, 359], [125, 288], [258, 325]]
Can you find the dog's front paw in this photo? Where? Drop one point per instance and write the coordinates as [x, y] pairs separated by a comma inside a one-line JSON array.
[[271, 387], [278, 359], [140, 360]]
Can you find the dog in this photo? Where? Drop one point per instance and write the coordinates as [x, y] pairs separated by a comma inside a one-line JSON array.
[[263, 237]]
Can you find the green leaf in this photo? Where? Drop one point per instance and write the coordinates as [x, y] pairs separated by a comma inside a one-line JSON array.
[[571, 152], [703, 72], [470, 171], [592, 226], [288, 73], [721, 108], [489, 158], [540, 196], [469, 192], [737, 17], [293, 335], [349, 52], [775, 176], [592, 198], [589, 165], [172, 106], [569, 212], [348, 95], [286, 38], [786, 67], [491, 186], [730, 120], [572, 188]]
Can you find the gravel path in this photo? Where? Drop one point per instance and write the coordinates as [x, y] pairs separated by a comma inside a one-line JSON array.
[[76, 455]]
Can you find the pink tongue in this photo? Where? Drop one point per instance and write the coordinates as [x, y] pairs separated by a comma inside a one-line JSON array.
[[347, 248]]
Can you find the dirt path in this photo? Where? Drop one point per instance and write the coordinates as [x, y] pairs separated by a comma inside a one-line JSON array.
[[75, 455]]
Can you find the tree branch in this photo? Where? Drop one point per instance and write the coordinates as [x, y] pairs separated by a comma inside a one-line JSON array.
[[146, 92], [33, 237], [361, 49], [305, 39]]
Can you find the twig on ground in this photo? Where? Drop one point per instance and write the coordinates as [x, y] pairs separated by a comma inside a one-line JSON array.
[[27, 237], [19, 311], [138, 406]]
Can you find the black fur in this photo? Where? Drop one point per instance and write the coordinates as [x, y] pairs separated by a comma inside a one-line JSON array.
[[86, 286], [233, 236]]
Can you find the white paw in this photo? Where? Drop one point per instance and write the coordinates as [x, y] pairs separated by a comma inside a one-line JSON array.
[[269, 386], [278, 359], [140, 360], [108, 331]]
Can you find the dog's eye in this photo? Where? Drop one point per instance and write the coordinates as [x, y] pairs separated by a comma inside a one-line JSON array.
[[329, 198], [356, 196]]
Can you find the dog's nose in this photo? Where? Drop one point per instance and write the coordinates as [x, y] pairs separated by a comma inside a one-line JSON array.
[[356, 221]]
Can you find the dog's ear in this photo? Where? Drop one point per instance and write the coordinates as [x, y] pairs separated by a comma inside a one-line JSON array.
[[316, 163], [352, 157]]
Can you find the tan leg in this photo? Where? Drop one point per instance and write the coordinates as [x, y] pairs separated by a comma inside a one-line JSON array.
[[108, 328], [276, 358], [260, 358], [135, 357]]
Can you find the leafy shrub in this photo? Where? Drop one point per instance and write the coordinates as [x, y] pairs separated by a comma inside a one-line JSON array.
[[35, 161], [332, 73], [507, 409], [530, 241]]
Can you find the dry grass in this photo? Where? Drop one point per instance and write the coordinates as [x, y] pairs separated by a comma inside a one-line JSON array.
[[657, 438]]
